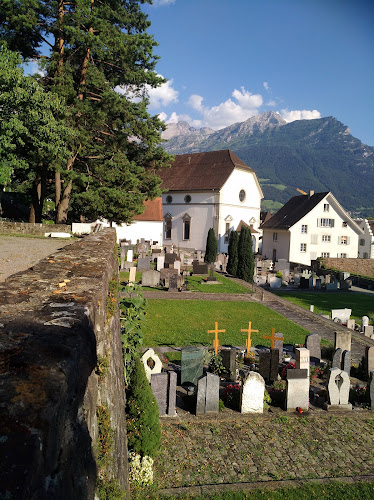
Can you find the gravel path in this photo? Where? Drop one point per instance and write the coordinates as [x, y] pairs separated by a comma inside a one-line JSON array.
[[18, 253]]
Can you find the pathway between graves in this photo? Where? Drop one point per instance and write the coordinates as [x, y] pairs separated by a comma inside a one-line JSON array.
[[210, 454], [306, 319]]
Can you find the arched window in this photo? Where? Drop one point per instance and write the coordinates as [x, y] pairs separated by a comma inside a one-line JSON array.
[[186, 227], [167, 224]]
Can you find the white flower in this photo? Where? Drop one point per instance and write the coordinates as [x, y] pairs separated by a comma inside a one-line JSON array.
[[140, 469]]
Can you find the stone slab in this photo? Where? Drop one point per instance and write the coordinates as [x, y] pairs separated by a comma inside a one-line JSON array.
[[191, 364], [252, 395]]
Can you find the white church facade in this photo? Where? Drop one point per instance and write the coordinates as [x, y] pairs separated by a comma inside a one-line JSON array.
[[203, 190]]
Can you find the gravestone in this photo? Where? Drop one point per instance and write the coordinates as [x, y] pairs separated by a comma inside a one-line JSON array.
[[346, 362], [364, 322], [132, 275], [278, 344], [252, 394], [143, 263], [207, 394], [313, 343], [338, 390], [341, 315], [229, 363], [191, 364], [370, 359], [173, 283], [152, 363], [166, 273], [302, 359], [351, 324], [275, 282], [181, 256], [297, 389], [199, 255], [123, 258], [337, 359], [318, 284], [177, 266], [331, 287], [368, 330], [211, 278], [160, 262], [199, 267], [164, 388], [371, 389], [312, 282], [150, 278], [170, 258], [343, 340], [269, 364], [311, 308], [130, 255]]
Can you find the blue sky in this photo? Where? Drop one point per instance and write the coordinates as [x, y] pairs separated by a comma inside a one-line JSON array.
[[228, 60]]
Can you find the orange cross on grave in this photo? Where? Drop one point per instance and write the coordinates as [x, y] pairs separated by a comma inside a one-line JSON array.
[[216, 340], [248, 341], [273, 338]]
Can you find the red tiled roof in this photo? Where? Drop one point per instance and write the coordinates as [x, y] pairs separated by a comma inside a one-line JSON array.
[[152, 212], [241, 224], [200, 171]]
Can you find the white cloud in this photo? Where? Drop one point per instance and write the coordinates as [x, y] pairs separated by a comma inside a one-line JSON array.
[[266, 86], [163, 95], [271, 103], [230, 111], [304, 114], [162, 116], [160, 3]]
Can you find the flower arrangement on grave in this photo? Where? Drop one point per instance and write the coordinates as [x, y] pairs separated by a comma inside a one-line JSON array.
[[316, 372], [289, 366], [232, 396], [140, 469], [359, 396], [277, 392]]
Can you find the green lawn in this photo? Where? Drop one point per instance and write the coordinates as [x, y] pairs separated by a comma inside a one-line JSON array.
[[181, 323], [361, 304]]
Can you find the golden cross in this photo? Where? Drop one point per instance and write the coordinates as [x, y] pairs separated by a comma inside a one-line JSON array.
[[273, 338], [248, 340], [216, 340]]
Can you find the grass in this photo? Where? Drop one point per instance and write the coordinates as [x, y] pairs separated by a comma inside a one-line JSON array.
[[361, 304], [182, 323]]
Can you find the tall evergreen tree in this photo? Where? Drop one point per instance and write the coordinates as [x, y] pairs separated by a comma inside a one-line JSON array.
[[245, 255], [101, 61], [232, 264], [211, 247]]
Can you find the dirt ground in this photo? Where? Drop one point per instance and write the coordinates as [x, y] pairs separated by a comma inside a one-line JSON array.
[[18, 253]]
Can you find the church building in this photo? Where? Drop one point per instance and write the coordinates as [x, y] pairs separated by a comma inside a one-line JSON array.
[[203, 190]]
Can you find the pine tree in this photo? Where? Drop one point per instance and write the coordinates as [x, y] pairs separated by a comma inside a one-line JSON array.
[[101, 62], [142, 414], [211, 247], [245, 255], [232, 264]]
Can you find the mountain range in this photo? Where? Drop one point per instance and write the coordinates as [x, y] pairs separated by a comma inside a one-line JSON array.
[[319, 155]]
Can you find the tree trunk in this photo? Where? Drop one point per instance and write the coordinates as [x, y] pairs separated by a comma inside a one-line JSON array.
[[63, 207], [37, 197], [57, 189]]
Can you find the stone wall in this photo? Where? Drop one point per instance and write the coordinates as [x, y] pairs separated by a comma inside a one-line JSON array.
[[59, 327], [363, 267], [34, 229]]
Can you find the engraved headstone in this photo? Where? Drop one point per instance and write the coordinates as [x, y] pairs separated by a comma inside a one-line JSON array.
[[368, 330], [252, 395], [341, 315], [346, 361], [269, 364], [338, 390], [150, 278], [191, 364], [297, 389], [173, 283], [207, 394], [152, 363], [313, 343], [351, 324], [302, 359], [170, 258], [229, 363], [130, 255], [343, 340], [166, 273], [160, 262], [143, 263], [199, 267], [164, 388]]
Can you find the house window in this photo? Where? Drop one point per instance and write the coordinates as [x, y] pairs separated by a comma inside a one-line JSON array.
[[275, 236], [342, 256], [325, 255], [326, 207], [326, 238], [227, 232], [242, 195], [362, 242], [326, 222], [303, 247], [187, 198], [169, 198], [186, 226], [344, 240], [168, 227], [304, 228]]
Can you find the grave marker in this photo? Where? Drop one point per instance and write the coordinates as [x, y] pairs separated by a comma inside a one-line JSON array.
[[370, 359], [252, 394], [164, 388], [337, 359], [302, 359], [338, 389], [150, 278], [207, 394], [160, 262], [132, 275], [216, 339], [248, 341], [191, 364], [268, 364], [143, 263], [346, 362], [343, 340], [229, 363], [313, 343], [297, 389], [152, 363], [368, 330]]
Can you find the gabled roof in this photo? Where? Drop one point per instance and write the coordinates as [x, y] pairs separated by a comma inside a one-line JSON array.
[[200, 171], [241, 224], [294, 210], [152, 212]]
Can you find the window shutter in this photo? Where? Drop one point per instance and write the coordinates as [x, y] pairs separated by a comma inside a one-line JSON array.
[[332, 222], [348, 240]]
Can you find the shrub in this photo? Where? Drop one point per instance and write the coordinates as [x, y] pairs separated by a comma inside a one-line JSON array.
[[232, 396], [216, 365], [245, 255], [211, 247], [143, 424], [232, 264], [277, 393]]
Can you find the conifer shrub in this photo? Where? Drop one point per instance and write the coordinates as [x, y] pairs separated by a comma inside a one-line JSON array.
[[245, 255], [143, 424], [232, 264], [211, 247]]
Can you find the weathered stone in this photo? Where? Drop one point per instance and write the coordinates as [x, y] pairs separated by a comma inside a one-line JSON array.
[[370, 359], [252, 395], [173, 283], [302, 359], [150, 278], [229, 363], [160, 262], [371, 389], [269, 364], [164, 389], [191, 364], [166, 273], [207, 394], [199, 267], [368, 330], [341, 315], [343, 340], [337, 359], [143, 263], [152, 363], [346, 361], [278, 344], [274, 364], [351, 324], [313, 343], [297, 389], [132, 276], [338, 389], [172, 394]]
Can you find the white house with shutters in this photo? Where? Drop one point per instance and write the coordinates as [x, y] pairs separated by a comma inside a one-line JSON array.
[[366, 241], [203, 190], [310, 226]]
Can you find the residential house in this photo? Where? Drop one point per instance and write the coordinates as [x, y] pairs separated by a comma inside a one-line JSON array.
[[310, 226], [366, 241], [203, 190]]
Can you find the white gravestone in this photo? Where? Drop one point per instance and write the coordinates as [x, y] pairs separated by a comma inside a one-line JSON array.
[[130, 255], [177, 266], [364, 322], [152, 363], [160, 262], [302, 359], [338, 389], [132, 275], [252, 397], [351, 324], [341, 315], [297, 389]]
